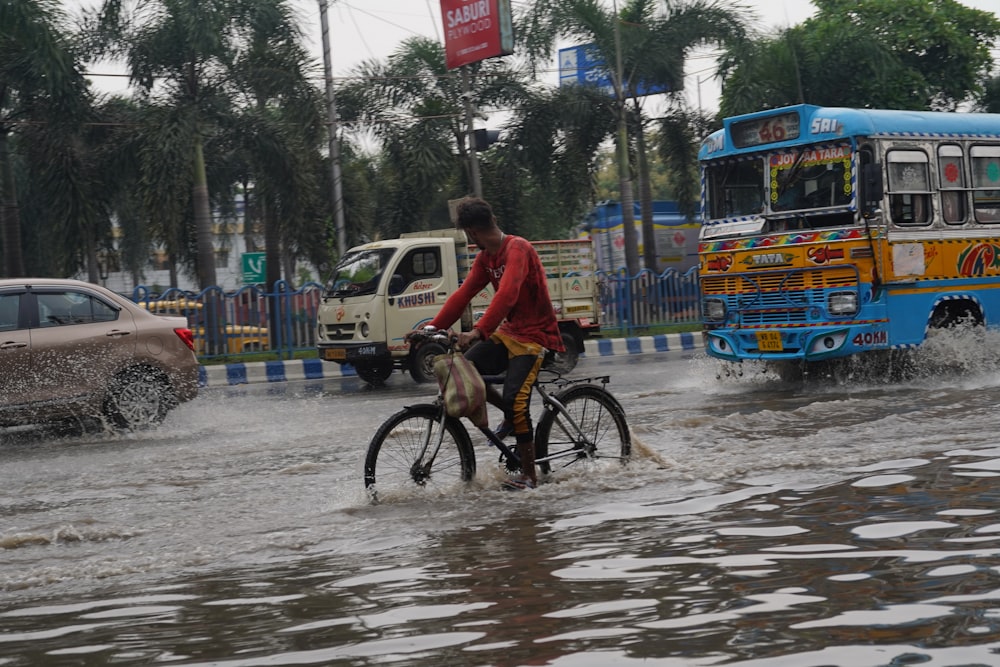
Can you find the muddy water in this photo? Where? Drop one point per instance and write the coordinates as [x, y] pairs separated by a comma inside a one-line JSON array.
[[766, 523]]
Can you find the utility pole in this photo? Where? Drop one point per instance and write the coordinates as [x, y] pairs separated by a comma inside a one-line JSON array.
[[333, 127], [470, 132]]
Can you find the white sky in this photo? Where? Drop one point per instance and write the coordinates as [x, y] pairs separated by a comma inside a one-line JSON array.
[[366, 29]]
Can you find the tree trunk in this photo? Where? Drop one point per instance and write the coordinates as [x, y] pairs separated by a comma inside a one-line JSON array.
[[646, 202], [204, 233], [10, 214], [272, 269], [249, 215], [627, 198]]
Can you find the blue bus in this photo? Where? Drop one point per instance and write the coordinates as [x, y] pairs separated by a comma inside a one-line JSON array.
[[829, 232]]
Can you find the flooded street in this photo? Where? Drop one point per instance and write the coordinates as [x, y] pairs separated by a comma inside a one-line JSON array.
[[761, 523]]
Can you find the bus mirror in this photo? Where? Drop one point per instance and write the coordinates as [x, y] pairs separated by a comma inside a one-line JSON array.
[[871, 184]]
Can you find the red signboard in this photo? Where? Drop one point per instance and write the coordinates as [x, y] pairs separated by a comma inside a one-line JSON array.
[[475, 30]]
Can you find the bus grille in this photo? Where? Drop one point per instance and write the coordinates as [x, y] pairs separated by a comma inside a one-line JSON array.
[[778, 297]]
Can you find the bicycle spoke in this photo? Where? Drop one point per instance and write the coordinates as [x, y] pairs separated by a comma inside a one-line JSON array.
[[590, 425], [404, 454]]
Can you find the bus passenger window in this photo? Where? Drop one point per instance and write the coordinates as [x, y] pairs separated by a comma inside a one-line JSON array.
[[951, 176], [909, 187], [986, 183]]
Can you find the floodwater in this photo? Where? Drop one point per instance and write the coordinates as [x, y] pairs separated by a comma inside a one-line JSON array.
[[848, 523]]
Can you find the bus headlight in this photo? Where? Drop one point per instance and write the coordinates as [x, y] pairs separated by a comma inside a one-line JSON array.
[[826, 343], [714, 310], [842, 303]]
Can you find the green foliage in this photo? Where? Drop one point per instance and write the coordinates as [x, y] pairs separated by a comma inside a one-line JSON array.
[[989, 100], [904, 54], [43, 97]]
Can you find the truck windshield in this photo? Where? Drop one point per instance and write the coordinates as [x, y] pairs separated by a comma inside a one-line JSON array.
[[358, 273]]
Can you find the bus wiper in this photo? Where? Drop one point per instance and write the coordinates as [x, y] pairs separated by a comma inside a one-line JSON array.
[[789, 176]]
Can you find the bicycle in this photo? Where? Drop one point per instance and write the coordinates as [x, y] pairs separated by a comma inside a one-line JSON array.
[[421, 445]]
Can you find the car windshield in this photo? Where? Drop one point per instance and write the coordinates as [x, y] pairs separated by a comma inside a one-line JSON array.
[[358, 273]]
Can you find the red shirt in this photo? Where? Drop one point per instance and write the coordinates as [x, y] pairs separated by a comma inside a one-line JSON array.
[[520, 308]]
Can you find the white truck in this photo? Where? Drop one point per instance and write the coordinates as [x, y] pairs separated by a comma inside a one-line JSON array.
[[384, 289]]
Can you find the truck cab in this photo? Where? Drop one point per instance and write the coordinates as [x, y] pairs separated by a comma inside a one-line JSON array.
[[382, 290]]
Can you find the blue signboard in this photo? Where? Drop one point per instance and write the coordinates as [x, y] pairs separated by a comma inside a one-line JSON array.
[[583, 65]]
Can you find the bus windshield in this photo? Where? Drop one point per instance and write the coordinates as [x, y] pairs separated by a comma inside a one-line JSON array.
[[810, 179], [791, 188], [358, 273], [735, 189]]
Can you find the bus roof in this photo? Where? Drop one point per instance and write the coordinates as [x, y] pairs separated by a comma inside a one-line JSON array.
[[807, 123]]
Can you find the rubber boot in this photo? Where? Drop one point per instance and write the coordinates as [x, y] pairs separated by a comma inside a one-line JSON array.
[[526, 452]]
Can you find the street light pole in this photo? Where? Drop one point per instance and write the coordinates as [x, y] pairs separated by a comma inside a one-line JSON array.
[[477, 185], [332, 124]]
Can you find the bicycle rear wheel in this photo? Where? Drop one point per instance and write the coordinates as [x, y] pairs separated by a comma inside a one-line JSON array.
[[397, 459], [603, 428]]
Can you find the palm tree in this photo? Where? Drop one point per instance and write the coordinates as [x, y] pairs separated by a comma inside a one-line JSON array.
[[555, 136], [276, 133], [646, 42], [39, 81], [413, 106], [177, 50]]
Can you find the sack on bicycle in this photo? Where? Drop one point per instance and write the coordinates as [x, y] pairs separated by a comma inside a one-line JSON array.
[[462, 387]]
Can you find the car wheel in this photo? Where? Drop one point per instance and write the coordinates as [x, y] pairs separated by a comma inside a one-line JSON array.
[[138, 399]]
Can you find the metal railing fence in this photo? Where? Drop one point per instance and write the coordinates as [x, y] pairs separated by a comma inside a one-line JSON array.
[[283, 321]]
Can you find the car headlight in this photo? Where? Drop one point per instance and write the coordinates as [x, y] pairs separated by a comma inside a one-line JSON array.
[[842, 303], [714, 310]]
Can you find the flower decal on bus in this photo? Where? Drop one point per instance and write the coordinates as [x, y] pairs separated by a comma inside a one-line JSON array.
[[978, 259], [721, 263], [824, 254]]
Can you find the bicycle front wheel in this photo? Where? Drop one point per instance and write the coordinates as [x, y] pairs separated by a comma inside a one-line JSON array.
[[404, 453], [594, 426]]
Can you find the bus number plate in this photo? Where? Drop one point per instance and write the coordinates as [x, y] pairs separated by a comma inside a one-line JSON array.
[[769, 341]]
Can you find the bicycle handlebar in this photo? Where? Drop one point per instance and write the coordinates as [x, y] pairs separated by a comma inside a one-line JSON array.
[[442, 336]]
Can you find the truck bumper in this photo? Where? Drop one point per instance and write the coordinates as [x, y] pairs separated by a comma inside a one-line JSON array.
[[352, 353]]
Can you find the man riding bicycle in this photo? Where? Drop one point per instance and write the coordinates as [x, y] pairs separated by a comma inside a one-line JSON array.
[[519, 325]]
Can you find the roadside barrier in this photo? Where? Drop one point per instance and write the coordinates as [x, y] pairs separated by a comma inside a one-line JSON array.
[[316, 369]]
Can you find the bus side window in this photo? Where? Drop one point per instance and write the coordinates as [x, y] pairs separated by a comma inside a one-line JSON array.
[[986, 183], [951, 177], [909, 187]]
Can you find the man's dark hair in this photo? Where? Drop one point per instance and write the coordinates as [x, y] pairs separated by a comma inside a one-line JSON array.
[[475, 213]]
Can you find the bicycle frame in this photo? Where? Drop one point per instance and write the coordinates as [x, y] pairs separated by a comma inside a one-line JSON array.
[[552, 404], [580, 445]]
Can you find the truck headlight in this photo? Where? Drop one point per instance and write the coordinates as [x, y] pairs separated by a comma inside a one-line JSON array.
[[363, 330], [714, 310], [842, 303]]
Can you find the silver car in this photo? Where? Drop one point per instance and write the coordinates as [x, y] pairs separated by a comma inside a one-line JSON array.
[[71, 349]]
